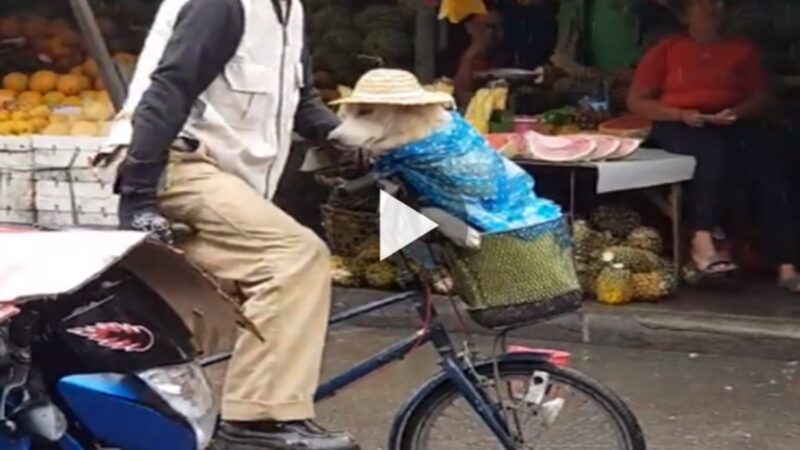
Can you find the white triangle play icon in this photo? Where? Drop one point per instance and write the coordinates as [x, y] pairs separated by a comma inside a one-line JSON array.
[[400, 225]]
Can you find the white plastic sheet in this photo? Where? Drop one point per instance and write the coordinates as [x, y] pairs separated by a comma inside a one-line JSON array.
[[37, 264]]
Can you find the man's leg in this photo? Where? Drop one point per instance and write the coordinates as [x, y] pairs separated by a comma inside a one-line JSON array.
[[283, 268]]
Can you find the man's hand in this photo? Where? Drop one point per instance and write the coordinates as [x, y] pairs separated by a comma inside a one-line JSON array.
[[139, 214]]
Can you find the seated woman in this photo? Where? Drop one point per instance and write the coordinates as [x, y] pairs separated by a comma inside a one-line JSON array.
[[703, 91]]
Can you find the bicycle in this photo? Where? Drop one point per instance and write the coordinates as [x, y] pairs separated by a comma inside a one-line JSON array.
[[536, 382]]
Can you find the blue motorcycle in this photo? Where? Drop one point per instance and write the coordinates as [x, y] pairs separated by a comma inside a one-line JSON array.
[[93, 354]]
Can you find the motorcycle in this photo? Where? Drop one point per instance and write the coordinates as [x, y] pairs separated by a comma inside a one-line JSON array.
[[100, 338]]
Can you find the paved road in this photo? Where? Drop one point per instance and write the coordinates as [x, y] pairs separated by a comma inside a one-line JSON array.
[[684, 401]]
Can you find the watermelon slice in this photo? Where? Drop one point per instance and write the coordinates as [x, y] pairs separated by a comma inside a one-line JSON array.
[[626, 148], [574, 148], [627, 126], [542, 140], [606, 146], [509, 144]]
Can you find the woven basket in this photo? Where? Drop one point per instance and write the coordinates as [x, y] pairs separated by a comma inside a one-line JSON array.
[[517, 277], [346, 230]]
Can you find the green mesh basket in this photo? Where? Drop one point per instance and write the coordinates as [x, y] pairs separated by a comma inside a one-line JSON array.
[[517, 277]]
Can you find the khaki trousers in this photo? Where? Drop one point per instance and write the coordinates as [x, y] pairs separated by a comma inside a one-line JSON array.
[[282, 268]]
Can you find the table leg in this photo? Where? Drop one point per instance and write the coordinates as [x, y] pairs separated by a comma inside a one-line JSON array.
[[675, 201], [572, 183]]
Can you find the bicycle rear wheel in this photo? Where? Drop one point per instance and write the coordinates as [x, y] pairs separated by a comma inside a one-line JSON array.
[[537, 399]]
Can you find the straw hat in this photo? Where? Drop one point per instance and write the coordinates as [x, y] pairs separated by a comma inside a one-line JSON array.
[[393, 87]]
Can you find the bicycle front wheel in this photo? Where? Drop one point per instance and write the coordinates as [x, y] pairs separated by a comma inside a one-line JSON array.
[[544, 408]]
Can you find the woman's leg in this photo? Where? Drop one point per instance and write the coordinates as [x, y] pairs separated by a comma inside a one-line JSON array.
[[706, 196]]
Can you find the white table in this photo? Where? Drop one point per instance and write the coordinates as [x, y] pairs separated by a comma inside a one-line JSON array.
[[644, 169]]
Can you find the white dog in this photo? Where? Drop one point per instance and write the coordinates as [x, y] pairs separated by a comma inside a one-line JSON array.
[[467, 187], [381, 128]]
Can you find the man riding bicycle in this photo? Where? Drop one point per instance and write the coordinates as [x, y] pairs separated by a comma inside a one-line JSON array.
[[218, 90]]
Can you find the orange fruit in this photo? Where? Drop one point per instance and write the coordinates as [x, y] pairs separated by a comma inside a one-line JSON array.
[[85, 82], [20, 116], [54, 98], [38, 124], [7, 95], [30, 98], [84, 128], [21, 127], [72, 100], [40, 112], [69, 84], [90, 68], [57, 129], [43, 81], [15, 81]]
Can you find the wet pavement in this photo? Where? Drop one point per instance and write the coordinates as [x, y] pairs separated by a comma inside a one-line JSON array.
[[683, 401]]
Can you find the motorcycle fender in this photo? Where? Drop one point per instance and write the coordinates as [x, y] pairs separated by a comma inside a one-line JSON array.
[[207, 310], [418, 397]]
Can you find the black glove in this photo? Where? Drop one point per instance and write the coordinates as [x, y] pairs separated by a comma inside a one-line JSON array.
[[140, 213]]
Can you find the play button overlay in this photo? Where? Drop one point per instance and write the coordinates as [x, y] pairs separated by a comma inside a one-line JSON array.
[[400, 225]]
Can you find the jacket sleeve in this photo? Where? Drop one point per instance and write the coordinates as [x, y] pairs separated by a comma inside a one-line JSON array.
[[313, 120], [206, 36]]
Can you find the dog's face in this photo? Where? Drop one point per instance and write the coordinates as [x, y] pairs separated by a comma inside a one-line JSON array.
[[381, 128]]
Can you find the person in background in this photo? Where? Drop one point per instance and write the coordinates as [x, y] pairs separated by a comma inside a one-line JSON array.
[[704, 91], [485, 52]]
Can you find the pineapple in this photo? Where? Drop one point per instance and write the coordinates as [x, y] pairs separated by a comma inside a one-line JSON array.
[[614, 285], [667, 272], [370, 251], [380, 275], [587, 275], [637, 260], [649, 286], [344, 272], [645, 238], [617, 219], [588, 243]]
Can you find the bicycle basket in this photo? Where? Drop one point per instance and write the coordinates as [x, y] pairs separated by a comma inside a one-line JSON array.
[[517, 277]]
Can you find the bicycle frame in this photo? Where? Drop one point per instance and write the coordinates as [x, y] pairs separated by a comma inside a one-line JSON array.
[[432, 332]]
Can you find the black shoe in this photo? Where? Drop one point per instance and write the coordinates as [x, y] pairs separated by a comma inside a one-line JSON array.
[[300, 435]]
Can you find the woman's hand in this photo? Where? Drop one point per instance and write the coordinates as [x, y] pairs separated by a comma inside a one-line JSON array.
[[724, 117], [692, 118]]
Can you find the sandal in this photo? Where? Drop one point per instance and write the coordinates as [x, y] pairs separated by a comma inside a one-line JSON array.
[[791, 284], [717, 265]]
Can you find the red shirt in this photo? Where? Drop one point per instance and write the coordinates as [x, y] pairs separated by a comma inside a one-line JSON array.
[[706, 77]]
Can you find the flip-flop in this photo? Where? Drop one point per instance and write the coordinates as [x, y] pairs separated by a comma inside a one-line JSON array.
[[791, 284], [716, 265]]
